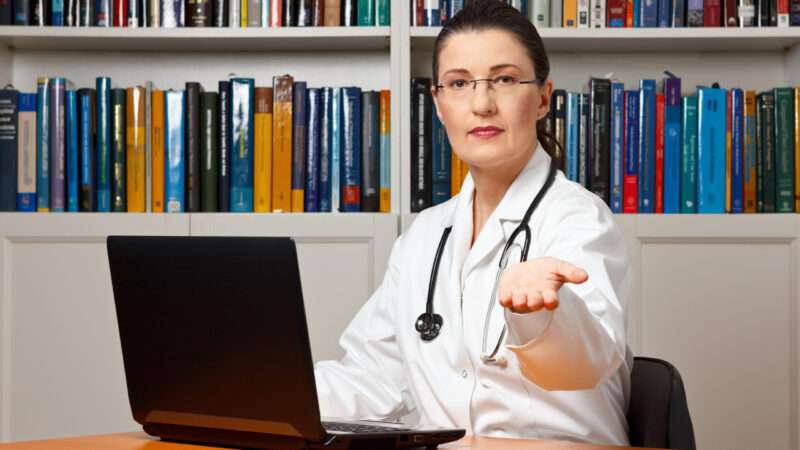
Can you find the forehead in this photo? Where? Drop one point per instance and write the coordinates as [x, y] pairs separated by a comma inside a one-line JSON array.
[[478, 51]]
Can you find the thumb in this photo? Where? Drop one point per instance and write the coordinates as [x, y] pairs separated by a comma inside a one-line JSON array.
[[571, 273]]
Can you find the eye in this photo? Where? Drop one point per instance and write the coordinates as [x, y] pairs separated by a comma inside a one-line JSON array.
[[505, 80], [457, 84]]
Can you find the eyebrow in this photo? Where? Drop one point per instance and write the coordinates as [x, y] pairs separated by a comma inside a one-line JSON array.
[[491, 69]]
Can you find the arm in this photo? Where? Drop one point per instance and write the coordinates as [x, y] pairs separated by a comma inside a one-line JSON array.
[[369, 382]]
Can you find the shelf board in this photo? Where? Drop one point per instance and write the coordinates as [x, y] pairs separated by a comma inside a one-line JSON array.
[[617, 40], [196, 39]]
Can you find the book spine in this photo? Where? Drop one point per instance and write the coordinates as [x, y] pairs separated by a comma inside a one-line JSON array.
[[86, 113], [760, 153], [57, 13], [797, 148], [784, 149], [421, 129], [333, 13], [220, 9], [276, 17], [712, 13], [118, 158], [583, 167], [103, 146], [71, 12], [154, 13], [385, 152], [694, 13], [748, 16], [569, 18], [659, 161], [647, 145], [768, 139], [71, 119], [43, 145], [135, 14], [290, 13], [312, 150], [234, 13], [728, 156], [224, 145], [383, 10], [304, 13], [171, 13], [40, 13], [649, 14], [598, 14], [336, 149], [672, 145], [617, 133], [22, 12], [351, 149], [299, 144], [540, 13], [689, 155], [737, 151], [317, 13], [198, 13], [370, 151], [135, 155], [26, 153], [192, 146], [148, 146], [209, 171], [120, 8], [58, 146], [175, 172], [711, 150], [242, 134], [601, 103], [158, 138], [749, 148], [433, 15], [783, 13], [679, 14], [262, 178], [617, 13], [9, 129], [560, 126], [282, 143], [630, 181], [730, 14], [325, 150], [253, 13], [573, 115]]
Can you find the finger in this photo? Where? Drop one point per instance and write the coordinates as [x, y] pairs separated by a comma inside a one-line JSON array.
[[520, 301], [550, 299], [571, 273], [535, 301], [504, 297]]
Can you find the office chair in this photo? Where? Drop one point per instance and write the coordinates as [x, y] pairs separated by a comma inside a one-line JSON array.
[[658, 416]]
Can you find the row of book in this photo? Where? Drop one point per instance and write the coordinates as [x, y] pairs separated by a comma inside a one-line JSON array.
[[629, 13], [648, 150], [195, 13], [283, 148]]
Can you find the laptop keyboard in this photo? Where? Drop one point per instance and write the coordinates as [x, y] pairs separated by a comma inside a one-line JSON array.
[[357, 427]]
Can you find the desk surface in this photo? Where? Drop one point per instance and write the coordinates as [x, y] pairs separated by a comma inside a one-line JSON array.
[[141, 441]]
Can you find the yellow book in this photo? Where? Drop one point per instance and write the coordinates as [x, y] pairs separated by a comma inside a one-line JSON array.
[[243, 22], [797, 149], [262, 177], [386, 142], [750, 148], [455, 174], [157, 145], [135, 157], [282, 144], [728, 153], [570, 19]]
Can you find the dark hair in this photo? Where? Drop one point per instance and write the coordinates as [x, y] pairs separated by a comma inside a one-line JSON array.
[[479, 15]]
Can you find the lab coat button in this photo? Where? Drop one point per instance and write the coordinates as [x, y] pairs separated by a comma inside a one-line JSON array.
[[464, 373]]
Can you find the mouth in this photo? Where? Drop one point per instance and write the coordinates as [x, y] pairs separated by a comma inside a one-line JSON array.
[[485, 132]]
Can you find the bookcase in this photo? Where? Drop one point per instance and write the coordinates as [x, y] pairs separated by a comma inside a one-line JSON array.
[[715, 295]]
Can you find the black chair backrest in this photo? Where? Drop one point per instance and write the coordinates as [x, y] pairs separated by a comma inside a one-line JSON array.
[[658, 415]]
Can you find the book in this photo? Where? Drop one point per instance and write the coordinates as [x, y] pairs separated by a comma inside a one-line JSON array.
[[647, 145], [749, 149], [119, 198], [312, 150], [174, 183], [325, 155], [299, 143], [224, 145], [737, 150], [26, 152], [630, 181], [672, 145], [421, 150], [617, 135], [158, 139], [351, 150], [711, 150], [192, 145], [440, 162], [103, 144], [242, 93], [209, 149], [71, 135], [784, 149], [58, 145], [136, 161], [262, 158], [282, 143], [43, 144], [385, 150], [370, 151], [9, 129], [689, 154]]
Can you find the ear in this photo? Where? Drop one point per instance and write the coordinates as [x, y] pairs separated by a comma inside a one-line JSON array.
[[434, 96], [546, 92]]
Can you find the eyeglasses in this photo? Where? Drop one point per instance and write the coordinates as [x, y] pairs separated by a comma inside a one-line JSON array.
[[459, 88]]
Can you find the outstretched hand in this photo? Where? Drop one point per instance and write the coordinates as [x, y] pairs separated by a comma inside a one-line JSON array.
[[532, 285]]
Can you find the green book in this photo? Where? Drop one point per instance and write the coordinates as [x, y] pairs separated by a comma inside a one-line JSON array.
[[759, 154], [784, 149], [118, 124], [768, 150], [384, 12], [366, 13], [689, 155], [209, 151]]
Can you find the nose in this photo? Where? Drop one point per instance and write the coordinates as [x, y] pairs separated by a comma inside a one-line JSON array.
[[482, 102]]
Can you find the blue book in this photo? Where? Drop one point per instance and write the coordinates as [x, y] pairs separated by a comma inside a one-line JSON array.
[[312, 156], [86, 148], [351, 149], [637, 16], [616, 169], [649, 14], [43, 145], [711, 150], [299, 144], [57, 13], [325, 151], [72, 150], [26, 200], [58, 146], [672, 145], [242, 96], [647, 146], [9, 147], [631, 159], [689, 155], [433, 16], [573, 124], [174, 178], [456, 6], [737, 150], [103, 13], [665, 13], [441, 162], [336, 149], [103, 145]]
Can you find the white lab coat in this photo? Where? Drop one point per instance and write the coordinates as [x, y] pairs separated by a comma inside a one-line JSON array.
[[568, 370]]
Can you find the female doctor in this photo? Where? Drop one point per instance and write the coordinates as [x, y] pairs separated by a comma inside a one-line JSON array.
[[537, 350]]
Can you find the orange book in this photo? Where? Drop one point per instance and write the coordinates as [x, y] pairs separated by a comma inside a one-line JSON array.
[[262, 176], [135, 157], [157, 145], [243, 21], [728, 152], [750, 149], [455, 173], [282, 144], [629, 15], [386, 143], [797, 149], [570, 19]]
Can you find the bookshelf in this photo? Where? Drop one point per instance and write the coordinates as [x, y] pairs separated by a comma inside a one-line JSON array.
[[710, 291]]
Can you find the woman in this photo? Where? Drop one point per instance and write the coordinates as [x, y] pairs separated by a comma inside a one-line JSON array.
[[562, 367]]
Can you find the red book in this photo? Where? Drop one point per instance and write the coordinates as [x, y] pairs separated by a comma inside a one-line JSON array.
[[731, 14], [660, 153], [712, 13], [630, 183], [617, 14], [420, 13], [276, 14], [120, 13]]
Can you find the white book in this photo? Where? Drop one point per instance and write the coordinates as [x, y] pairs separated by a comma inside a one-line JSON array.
[[598, 15], [583, 13], [540, 13]]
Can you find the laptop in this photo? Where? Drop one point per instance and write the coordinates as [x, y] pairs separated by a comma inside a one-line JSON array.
[[216, 350]]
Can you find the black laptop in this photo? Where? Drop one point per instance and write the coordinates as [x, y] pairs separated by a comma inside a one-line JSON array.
[[216, 350]]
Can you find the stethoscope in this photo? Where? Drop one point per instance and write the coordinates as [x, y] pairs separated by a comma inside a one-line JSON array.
[[429, 324]]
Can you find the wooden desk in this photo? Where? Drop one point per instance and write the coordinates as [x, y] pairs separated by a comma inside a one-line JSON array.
[[141, 441]]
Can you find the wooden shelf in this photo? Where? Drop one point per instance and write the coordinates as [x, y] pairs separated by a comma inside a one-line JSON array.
[[633, 40], [196, 39]]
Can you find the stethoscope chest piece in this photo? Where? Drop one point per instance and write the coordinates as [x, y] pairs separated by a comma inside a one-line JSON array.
[[428, 325]]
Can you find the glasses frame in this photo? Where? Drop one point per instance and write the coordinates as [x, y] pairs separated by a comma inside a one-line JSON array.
[[490, 83]]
